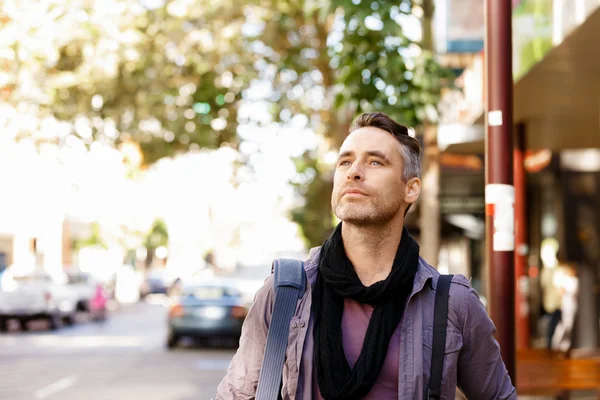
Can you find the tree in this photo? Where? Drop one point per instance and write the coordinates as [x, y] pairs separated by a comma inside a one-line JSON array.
[[168, 79], [339, 61], [95, 239], [157, 237], [174, 77]]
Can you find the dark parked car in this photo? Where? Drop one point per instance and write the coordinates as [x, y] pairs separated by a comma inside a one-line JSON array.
[[156, 282], [206, 310]]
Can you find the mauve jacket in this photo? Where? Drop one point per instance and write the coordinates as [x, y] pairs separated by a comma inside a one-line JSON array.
[[472, 356]]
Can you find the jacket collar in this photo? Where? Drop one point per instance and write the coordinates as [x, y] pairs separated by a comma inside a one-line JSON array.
[[311, 265]]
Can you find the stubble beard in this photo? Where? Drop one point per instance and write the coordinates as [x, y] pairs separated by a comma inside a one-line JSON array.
[[365, 215]]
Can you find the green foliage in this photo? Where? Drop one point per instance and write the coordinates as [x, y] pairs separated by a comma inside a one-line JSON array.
[[531, 53], [158, 235], [383, 69], [168, 79], [173, 78], [361, 60], [95, 239], [537, 15], [314, 216]]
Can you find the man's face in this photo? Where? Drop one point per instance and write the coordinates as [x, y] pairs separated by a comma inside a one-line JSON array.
[[368, 188]]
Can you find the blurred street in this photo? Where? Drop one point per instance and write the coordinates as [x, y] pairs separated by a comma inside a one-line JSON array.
[[123, 357]]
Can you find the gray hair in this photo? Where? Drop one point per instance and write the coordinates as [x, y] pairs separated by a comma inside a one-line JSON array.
[[410, 147]]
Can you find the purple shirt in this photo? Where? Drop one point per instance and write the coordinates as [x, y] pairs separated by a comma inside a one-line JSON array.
[[355, 322]]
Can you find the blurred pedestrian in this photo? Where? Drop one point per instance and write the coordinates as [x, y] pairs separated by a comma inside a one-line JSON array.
[[559, 296], [551, 297], [364, 327], [568, 286], [99, 303]]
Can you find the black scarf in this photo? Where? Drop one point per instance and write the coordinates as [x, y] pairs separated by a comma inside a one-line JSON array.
[[338, 280]]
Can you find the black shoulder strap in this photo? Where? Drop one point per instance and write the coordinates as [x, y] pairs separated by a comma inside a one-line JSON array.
[[290, 284], [440, 322]]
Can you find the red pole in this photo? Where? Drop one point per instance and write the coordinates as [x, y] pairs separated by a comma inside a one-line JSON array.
[[521, 304], [499, 191]]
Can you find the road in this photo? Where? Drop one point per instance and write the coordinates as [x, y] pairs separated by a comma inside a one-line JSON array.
[[121, 358]]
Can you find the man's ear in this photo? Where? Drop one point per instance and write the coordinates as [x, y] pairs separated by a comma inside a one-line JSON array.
[[412, 190]]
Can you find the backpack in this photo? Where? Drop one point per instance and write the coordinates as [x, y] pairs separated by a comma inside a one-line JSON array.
[[290, 284]]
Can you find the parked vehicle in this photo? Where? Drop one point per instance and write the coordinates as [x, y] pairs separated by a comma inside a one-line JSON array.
[[36, 295], [156, 282], [84, 286], [205, 310], [92, 298]]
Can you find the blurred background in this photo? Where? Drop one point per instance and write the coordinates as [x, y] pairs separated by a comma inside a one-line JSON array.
[[157, 155]]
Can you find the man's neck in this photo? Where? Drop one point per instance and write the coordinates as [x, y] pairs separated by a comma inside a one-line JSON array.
[[372, 250]]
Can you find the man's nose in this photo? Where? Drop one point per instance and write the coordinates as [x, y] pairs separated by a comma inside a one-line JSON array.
[[355, 172]]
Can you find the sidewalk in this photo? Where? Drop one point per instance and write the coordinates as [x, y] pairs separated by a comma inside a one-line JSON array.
[[543, 373]]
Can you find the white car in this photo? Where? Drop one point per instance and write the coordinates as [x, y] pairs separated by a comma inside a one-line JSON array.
[[84, 286], [36, 295]]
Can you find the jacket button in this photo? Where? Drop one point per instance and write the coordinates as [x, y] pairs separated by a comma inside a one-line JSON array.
[[295, 325], [302, 324]]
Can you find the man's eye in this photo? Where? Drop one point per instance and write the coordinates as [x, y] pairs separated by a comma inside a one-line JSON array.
[[376, 163], [344, 163]]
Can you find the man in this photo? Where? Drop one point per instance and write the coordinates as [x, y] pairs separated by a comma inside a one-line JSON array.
[[363, 329]]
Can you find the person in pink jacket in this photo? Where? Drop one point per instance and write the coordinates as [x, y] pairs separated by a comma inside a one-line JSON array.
[[98, 304]]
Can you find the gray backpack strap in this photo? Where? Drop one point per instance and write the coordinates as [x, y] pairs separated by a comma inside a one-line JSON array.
[[440, 322], [289, 284]]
